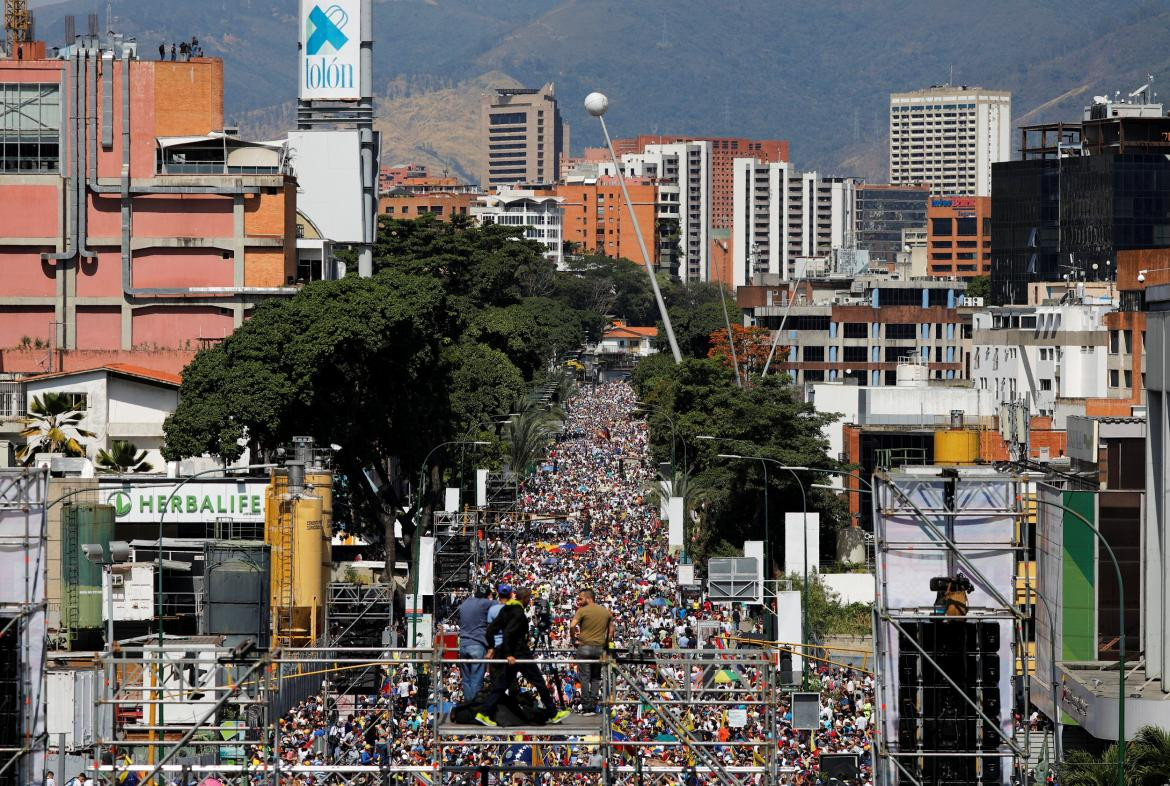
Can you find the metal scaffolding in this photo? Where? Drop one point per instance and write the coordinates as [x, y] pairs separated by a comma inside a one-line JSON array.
[[935, 521], [22, 624], [215, 711]]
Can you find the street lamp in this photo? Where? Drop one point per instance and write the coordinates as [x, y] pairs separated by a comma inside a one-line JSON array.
[[596, 104], [418, 531], [96, 553], [673, 435]]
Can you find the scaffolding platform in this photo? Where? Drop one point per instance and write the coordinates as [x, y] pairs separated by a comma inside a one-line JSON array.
[[576, 725]]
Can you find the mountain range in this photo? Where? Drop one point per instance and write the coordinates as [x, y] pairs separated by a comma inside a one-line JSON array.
[[816, 72]]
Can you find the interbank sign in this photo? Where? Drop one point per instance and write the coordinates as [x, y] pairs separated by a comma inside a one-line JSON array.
[[330, 49], [194, 502]]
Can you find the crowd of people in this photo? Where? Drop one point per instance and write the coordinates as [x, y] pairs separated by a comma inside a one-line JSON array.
[[585, 533]]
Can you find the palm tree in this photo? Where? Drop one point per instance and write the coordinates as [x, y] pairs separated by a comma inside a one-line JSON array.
[[55, 427], [1148, 756], [123, 457], [1081, 768], [528, 434]]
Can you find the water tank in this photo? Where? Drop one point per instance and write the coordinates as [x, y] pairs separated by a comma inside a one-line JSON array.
[[236, 581], [912, 375], [956, 446], [81, 580]]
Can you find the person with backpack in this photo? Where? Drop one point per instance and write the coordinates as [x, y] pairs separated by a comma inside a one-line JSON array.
[[512, 624]]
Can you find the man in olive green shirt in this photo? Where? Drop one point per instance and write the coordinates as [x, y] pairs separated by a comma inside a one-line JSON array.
[[591, 630]]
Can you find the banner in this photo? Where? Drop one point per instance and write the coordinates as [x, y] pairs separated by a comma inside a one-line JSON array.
[[330, 49]]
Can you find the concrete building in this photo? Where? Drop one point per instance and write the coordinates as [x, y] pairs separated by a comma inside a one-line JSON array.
[[949, 136], [538, 212], [724, 151], [121, 402], [682, 171], [443, 205], [959, 236], [1040, 354], [597, 220], [524, 136], [780, 216], [863, 329], [132, 218], [883, 213]]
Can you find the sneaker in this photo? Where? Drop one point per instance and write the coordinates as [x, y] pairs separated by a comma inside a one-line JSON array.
[[484, 720], [560, 716]]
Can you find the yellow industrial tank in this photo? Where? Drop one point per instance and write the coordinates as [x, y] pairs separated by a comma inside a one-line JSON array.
[[298, 528], [956, 446]]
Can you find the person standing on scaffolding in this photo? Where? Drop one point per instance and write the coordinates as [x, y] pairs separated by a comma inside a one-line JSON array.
[[512, 623]]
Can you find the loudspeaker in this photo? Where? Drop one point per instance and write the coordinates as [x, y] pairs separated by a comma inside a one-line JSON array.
[[907, 733], [840, 765]]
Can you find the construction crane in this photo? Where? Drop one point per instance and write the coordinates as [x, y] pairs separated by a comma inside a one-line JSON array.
[[17, 25]]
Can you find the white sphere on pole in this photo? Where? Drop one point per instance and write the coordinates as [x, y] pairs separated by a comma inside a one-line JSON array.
[[596, 104]]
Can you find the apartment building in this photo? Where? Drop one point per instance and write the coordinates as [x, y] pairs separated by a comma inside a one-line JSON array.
[[538, 212], [949, 136], [133, 220], [682, 172], [862, 329], [524, 136], [597, 221], [958, 236], [724, 152], [780, 216]]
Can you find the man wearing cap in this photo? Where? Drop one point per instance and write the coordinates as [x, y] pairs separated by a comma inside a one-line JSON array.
[[473, 643]]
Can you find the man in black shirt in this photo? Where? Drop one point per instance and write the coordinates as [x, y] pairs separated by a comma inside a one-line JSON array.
[[512, 624]]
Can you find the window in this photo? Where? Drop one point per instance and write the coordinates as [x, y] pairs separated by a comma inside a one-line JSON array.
[[940, 227], [901, 330], [812, 375], [508, 118], [78, 402], [1128, 376], [1046, 384], [856, 330], [965, 227], [815, 354], [855, 354], [1114, 380], [30, 127]]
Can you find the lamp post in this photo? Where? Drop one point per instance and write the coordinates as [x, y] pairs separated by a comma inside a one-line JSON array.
[[96, 553], [596, 104], [673, 434], [418, 527]]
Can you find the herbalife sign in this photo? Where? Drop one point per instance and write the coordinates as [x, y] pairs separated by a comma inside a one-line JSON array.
[[193, 502]]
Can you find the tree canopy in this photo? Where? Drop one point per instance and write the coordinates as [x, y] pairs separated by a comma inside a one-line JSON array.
[[453, 327], [763, 419]]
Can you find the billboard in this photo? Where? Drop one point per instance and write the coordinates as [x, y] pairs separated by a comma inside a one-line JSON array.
[[197, 502], [329, 48]]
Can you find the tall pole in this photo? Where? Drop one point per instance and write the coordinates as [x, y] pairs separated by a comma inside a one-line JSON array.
[[596, 104], [726, 318]]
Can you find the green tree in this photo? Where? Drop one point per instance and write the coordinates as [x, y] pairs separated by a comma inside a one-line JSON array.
[[764, 419], [696, 311], [484, 383], [54, 427], [123, 456], [527, 434], [979, 286]]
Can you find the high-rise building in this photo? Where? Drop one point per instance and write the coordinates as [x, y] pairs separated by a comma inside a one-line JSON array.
[[524, 136], [724, 151], [948, 136], [682, 172], [131, 217], [1080, 194], [884, 212], [780, 216]]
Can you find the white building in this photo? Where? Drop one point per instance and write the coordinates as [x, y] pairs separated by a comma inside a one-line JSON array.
[[780, 216], [1040, 354], [949, 136], [683, 173], [540, 215], [622, 339], [120, 401]]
